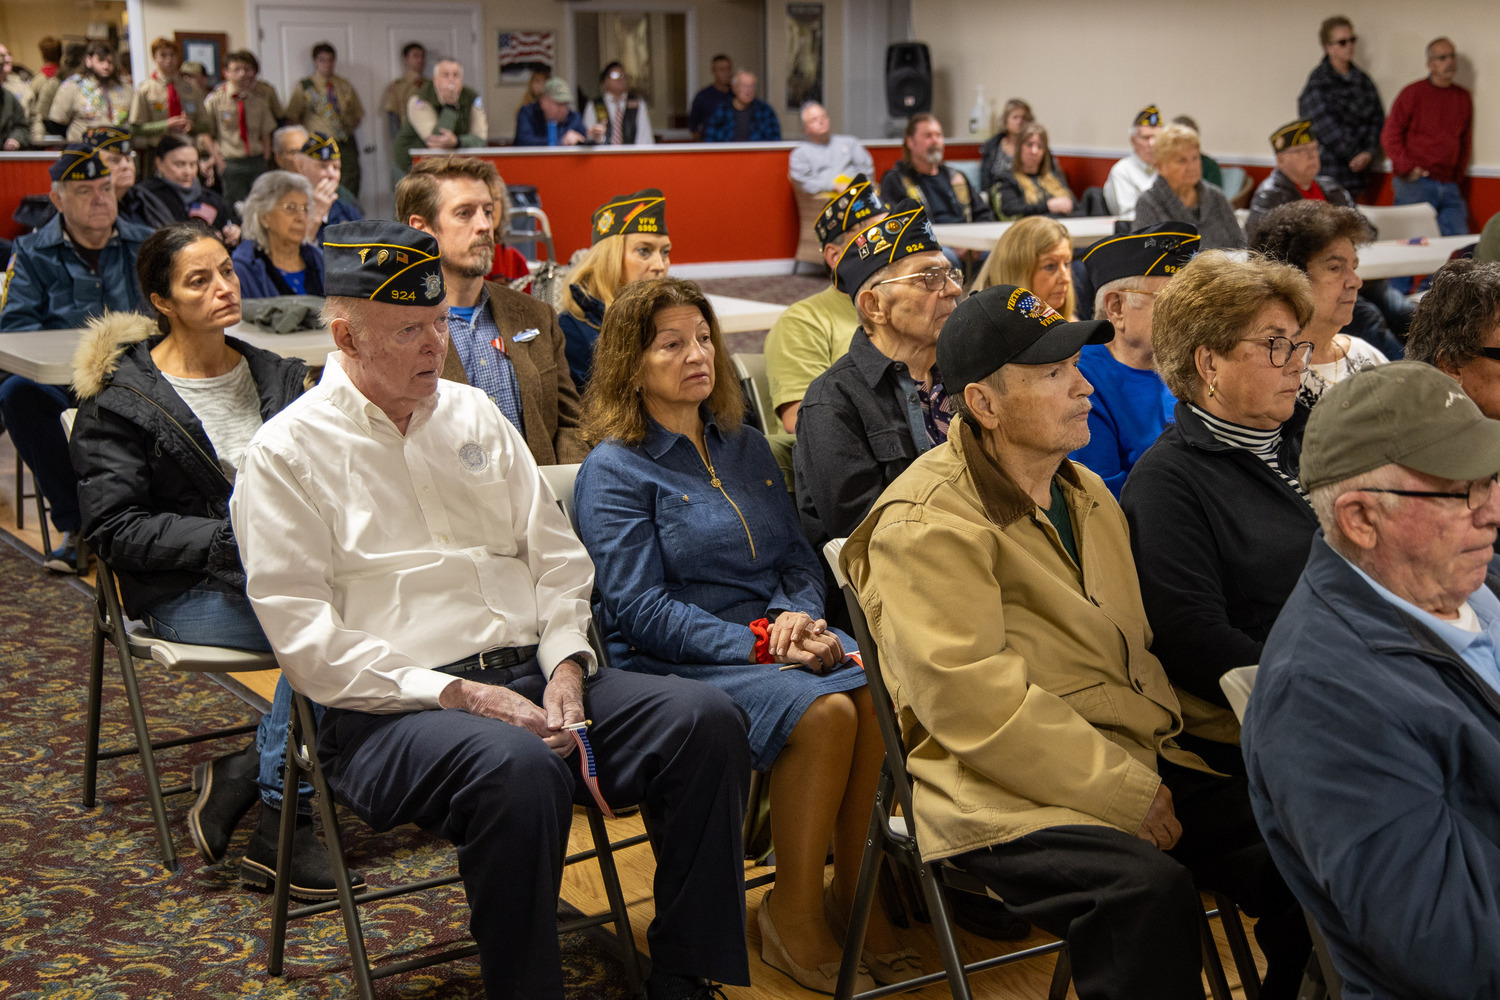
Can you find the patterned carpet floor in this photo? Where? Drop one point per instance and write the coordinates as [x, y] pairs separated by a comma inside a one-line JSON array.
[[87, 912]]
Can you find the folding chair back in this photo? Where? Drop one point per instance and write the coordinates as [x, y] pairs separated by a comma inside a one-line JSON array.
[[751, 369], [132, 642]]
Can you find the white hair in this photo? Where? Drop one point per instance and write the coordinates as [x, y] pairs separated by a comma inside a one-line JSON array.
[[1325, 497], [265, 196], [1129, 284]]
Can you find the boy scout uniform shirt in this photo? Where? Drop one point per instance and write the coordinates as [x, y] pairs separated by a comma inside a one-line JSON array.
[[82, 102], [149, 115], [398, 93], [223, 110], [309, 107]]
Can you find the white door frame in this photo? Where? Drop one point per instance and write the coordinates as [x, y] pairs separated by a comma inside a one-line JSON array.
[[572, 10]]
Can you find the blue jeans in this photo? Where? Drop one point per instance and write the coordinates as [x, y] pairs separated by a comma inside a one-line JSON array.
[[33, 414], [1452, 210], [213, 618]]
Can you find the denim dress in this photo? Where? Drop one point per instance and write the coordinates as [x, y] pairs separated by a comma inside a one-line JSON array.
[[683, 567]]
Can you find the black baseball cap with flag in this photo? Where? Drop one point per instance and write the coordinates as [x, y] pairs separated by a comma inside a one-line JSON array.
[[1005, 325], [382, 262], [904, 232]]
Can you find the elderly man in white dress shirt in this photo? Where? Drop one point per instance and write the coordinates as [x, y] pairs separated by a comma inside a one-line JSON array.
[[416, 577], [826, 163]]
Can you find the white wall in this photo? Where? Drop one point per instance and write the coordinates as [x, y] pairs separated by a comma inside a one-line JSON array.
[[1087, 66]]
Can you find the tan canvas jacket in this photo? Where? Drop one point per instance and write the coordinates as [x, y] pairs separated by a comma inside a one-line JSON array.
[[1023, 682], [550, 407]]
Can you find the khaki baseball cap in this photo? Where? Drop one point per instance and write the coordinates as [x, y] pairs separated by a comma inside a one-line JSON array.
[[1407, 413]]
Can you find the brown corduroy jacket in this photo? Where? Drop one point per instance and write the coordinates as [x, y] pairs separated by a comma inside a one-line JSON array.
[[550, 407]]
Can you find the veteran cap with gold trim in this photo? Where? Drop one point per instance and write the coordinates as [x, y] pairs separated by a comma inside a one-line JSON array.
[[1297, 133], [382, 262], [1149, 115], [321, 146], [110, 137], [904, 232], [78, 162], [1149, 251], [856, 203], [642, 212]]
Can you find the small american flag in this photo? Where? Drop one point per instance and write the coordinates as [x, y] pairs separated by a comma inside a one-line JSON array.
[[589, 770], [521, 52]]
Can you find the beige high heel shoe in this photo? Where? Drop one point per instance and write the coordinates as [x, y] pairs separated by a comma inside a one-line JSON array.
[[823, 979], [891, 967]]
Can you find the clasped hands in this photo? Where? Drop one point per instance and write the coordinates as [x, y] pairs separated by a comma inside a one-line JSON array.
[[797, 640], [562, 705]]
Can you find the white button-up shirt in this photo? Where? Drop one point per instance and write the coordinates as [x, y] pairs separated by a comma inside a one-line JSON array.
[[1128, 180], [372, 556]]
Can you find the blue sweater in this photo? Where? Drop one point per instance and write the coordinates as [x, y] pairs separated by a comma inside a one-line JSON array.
[[259, 278], [1373, 753], [1131, 407]]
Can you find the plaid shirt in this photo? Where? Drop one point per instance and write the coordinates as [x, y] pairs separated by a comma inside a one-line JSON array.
[[485, 362], [1346, 115], [764, 125]]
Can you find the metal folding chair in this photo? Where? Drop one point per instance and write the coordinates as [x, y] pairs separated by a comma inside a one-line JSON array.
[[132, 641], [302, 761]]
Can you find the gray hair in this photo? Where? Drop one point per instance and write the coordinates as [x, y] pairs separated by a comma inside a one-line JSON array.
[[1324, 498], [869, 283], [276, 136], [742, 71], [1130, 284], [265, 196]]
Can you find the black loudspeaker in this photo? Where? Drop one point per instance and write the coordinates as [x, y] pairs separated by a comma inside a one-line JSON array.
[[908, 79]]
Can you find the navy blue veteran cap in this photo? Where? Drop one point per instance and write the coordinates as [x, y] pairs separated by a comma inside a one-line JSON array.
[[854, 205], [110, 137], [321, 146], [382, 262], [1297, 133], [1149, 115], [1149, 251], [78, 162], [642, 212], [1005, 325], [904, 232]]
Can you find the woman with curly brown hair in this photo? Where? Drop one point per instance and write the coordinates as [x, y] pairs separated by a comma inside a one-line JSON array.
[[704, 572]]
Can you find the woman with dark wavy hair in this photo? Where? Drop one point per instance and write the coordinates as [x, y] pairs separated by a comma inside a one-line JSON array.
[[704, 572]]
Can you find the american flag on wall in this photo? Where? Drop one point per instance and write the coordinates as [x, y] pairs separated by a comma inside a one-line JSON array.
[[524, 52]]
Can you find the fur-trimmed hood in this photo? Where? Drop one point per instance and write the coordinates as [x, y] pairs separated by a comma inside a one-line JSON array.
[[106, 338]]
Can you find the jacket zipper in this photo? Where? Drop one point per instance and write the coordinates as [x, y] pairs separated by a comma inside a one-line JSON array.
[[178, 424], [713, 480]]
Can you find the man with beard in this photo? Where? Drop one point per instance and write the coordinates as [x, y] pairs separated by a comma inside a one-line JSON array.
[[501, 341], [922, 176], [93, 96]]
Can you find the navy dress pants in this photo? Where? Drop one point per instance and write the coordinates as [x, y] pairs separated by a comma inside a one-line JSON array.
[[497, 792], [1130, 912]]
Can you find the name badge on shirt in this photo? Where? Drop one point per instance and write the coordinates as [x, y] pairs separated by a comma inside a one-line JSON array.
[[527, 335]]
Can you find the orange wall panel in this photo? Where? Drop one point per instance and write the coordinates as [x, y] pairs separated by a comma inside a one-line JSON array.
[[21, 174]]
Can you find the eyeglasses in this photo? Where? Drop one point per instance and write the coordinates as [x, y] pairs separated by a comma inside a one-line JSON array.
[[1491, 352], [1345, 41], [1282, 349], [293, 209], [1477, 495], [933, 278]]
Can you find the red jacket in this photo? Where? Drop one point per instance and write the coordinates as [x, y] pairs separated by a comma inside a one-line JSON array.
[[1430, 127]]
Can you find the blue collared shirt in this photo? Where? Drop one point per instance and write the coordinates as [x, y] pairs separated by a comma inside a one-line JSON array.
[[1480, 650], [488, 367]]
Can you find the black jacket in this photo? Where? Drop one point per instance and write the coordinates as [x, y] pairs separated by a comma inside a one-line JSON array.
[[1219, 542], [159, 204], [155, 502], [1277, 190]]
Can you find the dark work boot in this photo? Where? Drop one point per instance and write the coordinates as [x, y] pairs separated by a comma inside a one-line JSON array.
[[312, 870], [226, 790]]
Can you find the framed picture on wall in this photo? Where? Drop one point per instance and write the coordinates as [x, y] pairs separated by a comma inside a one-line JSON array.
[[804, 54], [204, 47]]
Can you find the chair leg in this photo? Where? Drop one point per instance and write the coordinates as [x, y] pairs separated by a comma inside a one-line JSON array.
[[20, 494], [942, 929], [359, 961], [1239, 945], [1062, 975], [41, 517], [864, 887], [1218, 986], [148, 758], [291, 800], [624, 936], [96, 699]]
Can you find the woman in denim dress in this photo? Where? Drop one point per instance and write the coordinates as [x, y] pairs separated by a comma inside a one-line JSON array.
[[704, 572]]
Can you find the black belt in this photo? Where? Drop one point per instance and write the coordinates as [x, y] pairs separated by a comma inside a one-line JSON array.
[[491, 659]]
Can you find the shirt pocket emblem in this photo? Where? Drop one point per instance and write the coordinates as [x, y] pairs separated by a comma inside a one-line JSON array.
[[474, 457]]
